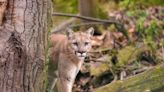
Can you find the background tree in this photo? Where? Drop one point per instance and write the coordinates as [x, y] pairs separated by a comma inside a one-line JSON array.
[[87, 8], [23, 46]]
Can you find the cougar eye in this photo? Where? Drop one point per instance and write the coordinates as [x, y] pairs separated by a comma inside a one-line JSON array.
[[86, 43], [75, 43]]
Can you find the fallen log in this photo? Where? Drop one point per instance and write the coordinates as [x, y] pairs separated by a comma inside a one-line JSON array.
[[148, 81]]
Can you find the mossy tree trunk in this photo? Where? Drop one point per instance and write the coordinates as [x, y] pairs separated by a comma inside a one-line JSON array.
[[23, 45]]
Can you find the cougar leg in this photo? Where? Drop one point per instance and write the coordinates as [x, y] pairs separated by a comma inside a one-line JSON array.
[[54, 80], [53, 83]]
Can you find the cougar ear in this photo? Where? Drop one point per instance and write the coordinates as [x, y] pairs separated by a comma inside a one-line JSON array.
[[69, 33], [103, 36], [90, 31]]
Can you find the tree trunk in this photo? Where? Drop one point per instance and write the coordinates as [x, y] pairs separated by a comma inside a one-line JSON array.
[[87, 8], [23, 46], [149, 81]]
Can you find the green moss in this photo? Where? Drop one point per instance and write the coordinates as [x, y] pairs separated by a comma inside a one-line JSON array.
[[65, 6], [125, 54], [130, 53], [99, 69], [113, 86]]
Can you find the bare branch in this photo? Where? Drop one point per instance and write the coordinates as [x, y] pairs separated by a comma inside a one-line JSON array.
[[63, 25], [87, 18], [84, 24]]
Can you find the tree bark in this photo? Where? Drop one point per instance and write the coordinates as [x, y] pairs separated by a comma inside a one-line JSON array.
[[87, 7], [23, 46]]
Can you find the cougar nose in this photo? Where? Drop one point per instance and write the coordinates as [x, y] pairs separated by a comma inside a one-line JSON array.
[[81, 52]]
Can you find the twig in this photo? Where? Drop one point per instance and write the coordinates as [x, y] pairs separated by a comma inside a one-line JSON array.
[[84, 24], [87, 18], [141, 70], [63, 25], [69, 24]]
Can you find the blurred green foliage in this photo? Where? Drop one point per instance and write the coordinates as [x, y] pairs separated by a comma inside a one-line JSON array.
[[103, 6], [67, 6], [133, 4]]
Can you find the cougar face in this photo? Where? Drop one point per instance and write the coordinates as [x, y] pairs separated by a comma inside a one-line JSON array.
[[80, 42]]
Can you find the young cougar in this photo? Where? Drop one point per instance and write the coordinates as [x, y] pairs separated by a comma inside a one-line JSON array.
[[69, 52]]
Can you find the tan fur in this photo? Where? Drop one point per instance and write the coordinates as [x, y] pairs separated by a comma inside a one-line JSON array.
[[64, 55]]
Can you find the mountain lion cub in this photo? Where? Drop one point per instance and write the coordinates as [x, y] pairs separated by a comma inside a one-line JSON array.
[[69, 52]]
